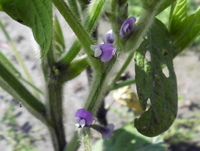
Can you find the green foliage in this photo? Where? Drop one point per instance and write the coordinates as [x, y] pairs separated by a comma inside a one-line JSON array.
[[152, 84], [36, 14], [134, 7], [183, 27], [165, 4], [59, 41], [178, 16], [128, 139], [150, 35]]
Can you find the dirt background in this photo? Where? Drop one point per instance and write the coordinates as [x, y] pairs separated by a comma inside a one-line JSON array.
[[186, 65]]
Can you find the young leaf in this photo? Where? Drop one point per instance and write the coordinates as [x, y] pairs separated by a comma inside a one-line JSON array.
[[59, 41], [192, 31], [179, 15], [153, 85], [36, 14]]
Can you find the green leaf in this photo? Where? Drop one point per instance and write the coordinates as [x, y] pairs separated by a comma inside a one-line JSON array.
[[36, 14], [59, 41], [11, 84], [153, 85], [128, 139], [191, 31], [179, 15], [165, 4]]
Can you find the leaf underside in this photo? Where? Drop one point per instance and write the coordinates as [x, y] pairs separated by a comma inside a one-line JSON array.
[[36, 14], [152, 83]]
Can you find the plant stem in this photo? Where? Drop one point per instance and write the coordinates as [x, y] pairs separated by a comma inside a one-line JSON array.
[[100, 82], [18, 57], [78, 29], [121, 84], [142, 26], [74, 144], [11, 84], [90, 22], [55, 112]]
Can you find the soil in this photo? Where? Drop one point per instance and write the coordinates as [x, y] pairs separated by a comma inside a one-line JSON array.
[[186, 65]]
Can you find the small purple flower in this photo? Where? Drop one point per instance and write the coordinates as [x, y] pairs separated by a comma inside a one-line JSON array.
[[109, 37], [106, 132], [104, 51], [127, 26], [83, 118]]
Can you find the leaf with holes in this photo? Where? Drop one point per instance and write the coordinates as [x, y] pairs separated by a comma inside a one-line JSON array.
[[153, 85], [36, 14]]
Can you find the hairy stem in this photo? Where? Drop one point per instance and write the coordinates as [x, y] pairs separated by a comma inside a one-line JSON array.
[[55, 112], [90, 22], [18, 57], [83, 36]]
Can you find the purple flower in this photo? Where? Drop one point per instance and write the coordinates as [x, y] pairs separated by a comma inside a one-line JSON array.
[[104, 51], [127, 26], [109, 37], [106, 132], [83, 118]]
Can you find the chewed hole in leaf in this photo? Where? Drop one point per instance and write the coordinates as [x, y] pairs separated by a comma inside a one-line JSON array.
[[166, 72], [148, 56], [148, 104]]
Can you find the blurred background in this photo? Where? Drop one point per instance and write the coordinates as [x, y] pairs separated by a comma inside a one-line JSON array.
[[20, 131]]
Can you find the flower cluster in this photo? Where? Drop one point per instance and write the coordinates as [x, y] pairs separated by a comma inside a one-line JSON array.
[[84, 118], [106, 51]]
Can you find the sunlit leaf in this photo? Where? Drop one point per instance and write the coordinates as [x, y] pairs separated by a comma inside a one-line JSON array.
[[36, 14], [178, 17], [153, 84], [183, 27], [165, 4], [192, 31]]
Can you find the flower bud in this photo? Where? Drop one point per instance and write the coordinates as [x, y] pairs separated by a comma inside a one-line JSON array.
[[127, 26], [109, 37]]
